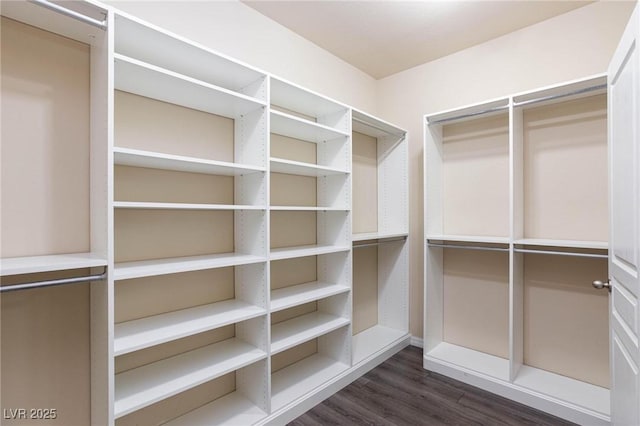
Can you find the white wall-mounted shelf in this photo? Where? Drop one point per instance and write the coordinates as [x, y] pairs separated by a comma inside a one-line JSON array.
[[181, 206], [366, 236], [308, 250], [373, 340], [157, 46], [475, 239], [596, 245], [298, 128], [149, 268], [290, 333], [288, 297], [308, 209], [148, 80], [157, 160], [294, 381], [470, 359], [280, 165], [48, 263], [138, 334], [582, 394], [232, 409], [143, 386]]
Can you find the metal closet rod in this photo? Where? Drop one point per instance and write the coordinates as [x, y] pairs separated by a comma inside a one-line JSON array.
[[377, 243], [71, 13], [561, 253], [560, 95], [52, 283], [468, 115], [458, 246], [376, 127]]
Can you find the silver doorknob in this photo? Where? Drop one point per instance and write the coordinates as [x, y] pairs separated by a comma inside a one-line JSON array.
[[602, 284]]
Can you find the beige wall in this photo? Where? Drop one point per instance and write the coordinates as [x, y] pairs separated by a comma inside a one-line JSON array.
[[569, 46], [235, 29], [573, 45]]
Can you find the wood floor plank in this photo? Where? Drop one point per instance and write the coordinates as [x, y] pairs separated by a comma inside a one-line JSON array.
[[399, 392]]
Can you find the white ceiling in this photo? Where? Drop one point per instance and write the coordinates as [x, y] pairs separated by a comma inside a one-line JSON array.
[[385, 37]]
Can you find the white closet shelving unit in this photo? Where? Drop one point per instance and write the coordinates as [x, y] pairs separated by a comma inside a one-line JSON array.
[[54, 205], [516, 216], [221, 207], [203, 193], [310, 216], [380, 174]]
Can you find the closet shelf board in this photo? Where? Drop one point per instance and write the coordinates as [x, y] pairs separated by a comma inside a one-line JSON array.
[[181, 206], [373, 340], [469, 238], [365, 236], [148, 268], [47, 263], [232, 409], [599, 245], [143, 386], [287, 297], [302, 251], [280, 165], [309, 209], [153, 82], [301, 100], [290, 333], [145, 332], [304, 376], [374, 127], [470, 359], [156, 45], [298, 128], [179, 163], [576, 392]]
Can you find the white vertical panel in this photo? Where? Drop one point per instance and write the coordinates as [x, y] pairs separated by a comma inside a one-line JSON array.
[[393, 284]]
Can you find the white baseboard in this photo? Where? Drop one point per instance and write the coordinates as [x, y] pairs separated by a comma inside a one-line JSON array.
[[417, 342]]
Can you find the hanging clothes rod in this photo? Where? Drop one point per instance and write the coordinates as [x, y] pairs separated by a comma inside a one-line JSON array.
[[457, 246], [366, 123], [562, 253], [377, 243], [71, 13], [468, 115], [52, 283], [560, 95]]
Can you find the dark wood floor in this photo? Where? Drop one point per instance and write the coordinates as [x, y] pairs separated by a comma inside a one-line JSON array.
[[400, 392]]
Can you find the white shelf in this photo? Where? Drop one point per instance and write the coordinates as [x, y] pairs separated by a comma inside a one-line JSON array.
[[290, 333], [298, 128], [470, 359], [47, 263], [288, 297], [148, 268], [372, 126], [308, 209], [232, 409], [302, 251], [145, 332], [147, 80], [469, 239], [297, 99], [373, 340], [280, 165], [597, 245], [160, 47], [181, 206], [377, 236], [143, 386], [566, 389], [179, 163], [304, 376]]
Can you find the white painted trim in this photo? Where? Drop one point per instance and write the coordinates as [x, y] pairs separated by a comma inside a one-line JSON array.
[[417, 342]]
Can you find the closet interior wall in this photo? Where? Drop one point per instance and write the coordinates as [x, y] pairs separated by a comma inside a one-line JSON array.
[[516, 216], [218, 199]]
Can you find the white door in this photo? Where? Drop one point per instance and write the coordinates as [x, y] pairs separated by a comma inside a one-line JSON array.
[[624, 248]]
